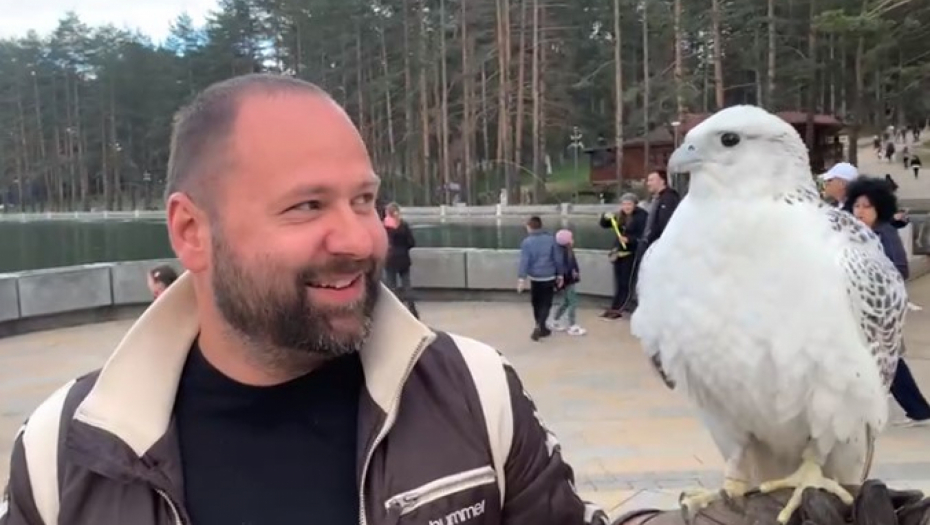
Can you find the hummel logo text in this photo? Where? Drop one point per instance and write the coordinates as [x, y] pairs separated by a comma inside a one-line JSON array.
[[461, 516]]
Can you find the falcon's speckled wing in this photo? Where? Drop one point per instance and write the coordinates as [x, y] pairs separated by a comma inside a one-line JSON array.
[[876, 289]]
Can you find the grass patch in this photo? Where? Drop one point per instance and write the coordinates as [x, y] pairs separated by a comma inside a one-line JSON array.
[[563, 179]]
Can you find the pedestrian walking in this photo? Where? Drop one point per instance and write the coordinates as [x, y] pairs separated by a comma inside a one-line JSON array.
[[889, 151], [542, 265], [568, 308], [891, 182], [915, 165]]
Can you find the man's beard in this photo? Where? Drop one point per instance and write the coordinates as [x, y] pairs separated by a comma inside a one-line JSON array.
[[270, 306]]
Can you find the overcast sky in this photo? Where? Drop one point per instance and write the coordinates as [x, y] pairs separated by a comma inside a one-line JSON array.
[[152, 17]]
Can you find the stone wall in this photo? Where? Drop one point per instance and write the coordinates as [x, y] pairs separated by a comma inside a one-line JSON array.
[[57, 297]]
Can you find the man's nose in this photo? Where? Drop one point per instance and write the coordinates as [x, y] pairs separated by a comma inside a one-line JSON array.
[[350, 234]]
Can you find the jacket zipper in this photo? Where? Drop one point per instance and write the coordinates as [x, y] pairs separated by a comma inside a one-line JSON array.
[[411, 500], [174, 508], [391, 415]]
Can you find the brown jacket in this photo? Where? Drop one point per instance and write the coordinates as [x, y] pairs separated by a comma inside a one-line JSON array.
[[424, 455]]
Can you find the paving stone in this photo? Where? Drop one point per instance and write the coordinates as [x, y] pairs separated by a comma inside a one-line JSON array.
[[648, 499]]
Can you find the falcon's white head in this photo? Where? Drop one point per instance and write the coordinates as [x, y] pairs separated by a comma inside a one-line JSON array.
[[742, 151]]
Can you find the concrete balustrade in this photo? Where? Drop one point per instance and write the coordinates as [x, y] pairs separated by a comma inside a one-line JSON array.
[[43, 299], [9, 298], [564, 209], [61, 290]]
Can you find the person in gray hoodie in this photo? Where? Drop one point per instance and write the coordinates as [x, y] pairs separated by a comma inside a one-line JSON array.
[[542, 265]]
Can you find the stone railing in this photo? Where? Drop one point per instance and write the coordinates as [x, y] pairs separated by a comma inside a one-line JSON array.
[[433, 212], [43, 299], [564, 209], [83, 216]]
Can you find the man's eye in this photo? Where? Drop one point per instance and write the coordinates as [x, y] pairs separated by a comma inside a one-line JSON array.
[[308, 206], [366, 198]]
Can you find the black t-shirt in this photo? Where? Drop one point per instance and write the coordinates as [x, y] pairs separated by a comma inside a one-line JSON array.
[[275, 455]]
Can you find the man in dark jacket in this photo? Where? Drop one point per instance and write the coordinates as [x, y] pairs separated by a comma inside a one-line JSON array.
[[664, 201], [276, 381]]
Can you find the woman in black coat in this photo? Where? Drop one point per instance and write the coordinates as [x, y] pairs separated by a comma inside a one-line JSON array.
[[398, 262], [627, 229]]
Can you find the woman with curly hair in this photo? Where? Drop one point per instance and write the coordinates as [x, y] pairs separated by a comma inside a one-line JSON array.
[[873, 202]]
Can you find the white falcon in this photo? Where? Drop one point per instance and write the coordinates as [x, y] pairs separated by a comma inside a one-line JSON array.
[[778, 316]]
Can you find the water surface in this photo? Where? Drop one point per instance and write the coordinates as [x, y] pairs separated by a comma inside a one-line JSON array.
[[47, 244]]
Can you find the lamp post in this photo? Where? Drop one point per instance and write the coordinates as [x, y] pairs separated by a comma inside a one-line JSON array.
[[147, 181], [675, 126], [575, 145], [677, 181]]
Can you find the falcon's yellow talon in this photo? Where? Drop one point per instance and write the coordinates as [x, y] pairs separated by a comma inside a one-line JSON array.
[[697, 499], [808, 476]]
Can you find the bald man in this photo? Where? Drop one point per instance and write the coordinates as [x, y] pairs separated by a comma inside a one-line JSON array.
[[276, 381]]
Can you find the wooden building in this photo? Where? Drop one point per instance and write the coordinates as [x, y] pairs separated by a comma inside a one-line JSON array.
[[662, 142]]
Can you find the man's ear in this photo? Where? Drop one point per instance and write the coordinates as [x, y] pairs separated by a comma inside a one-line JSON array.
[[189, 232]]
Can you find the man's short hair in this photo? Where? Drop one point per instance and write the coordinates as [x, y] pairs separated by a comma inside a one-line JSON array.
[[534, 223], [662, 175], [202, 129]]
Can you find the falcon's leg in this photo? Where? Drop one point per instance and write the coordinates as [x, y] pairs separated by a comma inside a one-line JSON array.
[[734, 485], [808, 475]]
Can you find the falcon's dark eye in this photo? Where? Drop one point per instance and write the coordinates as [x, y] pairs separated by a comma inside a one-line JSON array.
[[729, 139]]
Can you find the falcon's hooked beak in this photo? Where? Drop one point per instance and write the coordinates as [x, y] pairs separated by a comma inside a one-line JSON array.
[[684, 159]]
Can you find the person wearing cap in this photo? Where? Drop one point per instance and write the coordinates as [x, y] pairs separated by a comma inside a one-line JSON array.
[[836, 179]]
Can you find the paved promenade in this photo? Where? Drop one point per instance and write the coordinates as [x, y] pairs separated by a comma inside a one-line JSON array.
[[632, 442], [910, 189]]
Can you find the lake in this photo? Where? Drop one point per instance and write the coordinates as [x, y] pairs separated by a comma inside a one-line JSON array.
[[47, 244]]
